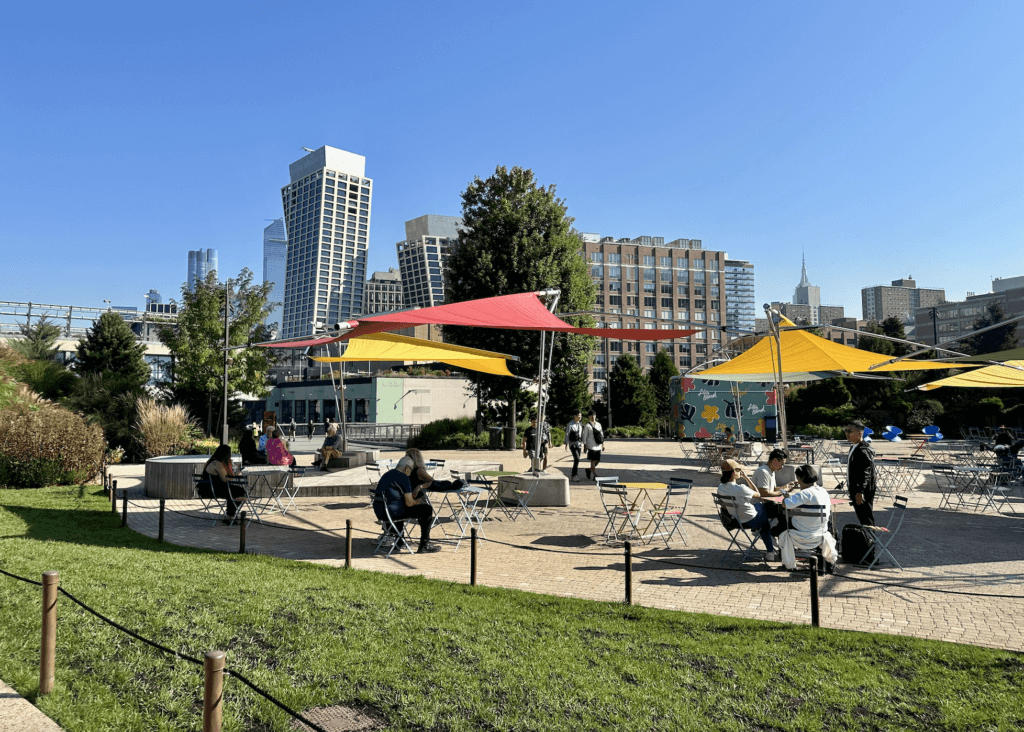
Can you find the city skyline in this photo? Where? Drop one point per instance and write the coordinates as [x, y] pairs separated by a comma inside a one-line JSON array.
[[881, 140]]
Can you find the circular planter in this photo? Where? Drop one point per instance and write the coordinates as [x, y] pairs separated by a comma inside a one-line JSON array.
[[170, 476]]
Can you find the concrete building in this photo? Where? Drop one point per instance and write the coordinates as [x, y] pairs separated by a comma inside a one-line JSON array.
[[275, 255], [200, 263], [422, 258], [383, 292], [327, 208], [955, 319], [375, 400], [844, 336], [901, 299], [644, 283], [1002, 284], [739, 295]]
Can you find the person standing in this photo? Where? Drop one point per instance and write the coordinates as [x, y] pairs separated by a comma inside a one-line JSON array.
[[309, 429], [860, 474], [574, 443], [291, 429], [593, 441], [530, 442]]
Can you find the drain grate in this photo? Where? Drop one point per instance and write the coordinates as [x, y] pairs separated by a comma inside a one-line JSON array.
[[340, 718]]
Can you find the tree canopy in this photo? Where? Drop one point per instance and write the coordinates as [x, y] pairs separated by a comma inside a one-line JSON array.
[[662, 370], [198, 340], [110, 347], [632, 397], [997, 339], [518, 237], [39, 340]]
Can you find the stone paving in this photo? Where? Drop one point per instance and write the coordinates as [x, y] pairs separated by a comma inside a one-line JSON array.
[[963, 578]]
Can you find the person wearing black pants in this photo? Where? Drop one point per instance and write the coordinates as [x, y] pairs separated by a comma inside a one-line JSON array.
[[860, 474], [404, 502], [574, 443]]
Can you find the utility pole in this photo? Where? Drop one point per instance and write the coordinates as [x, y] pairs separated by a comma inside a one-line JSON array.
[[935, 327], [227, 358]]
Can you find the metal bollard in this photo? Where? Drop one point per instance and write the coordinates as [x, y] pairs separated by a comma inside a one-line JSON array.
[[48, 647], [348, 543], [213, 690], [113, 496], [241, 533], [629, 573], [472, 556], [124, 508], [160, 532], [814, 565]]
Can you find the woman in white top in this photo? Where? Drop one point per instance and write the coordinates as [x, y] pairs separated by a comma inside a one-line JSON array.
[[593, 441], [807, 532], [749, 512]]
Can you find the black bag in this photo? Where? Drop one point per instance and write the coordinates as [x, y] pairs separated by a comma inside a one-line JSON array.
[[598, 437], [729, 522], [856, 544]]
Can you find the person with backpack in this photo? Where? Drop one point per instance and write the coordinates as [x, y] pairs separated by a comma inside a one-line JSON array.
[[860, 474], [593, 441], [574, 443]]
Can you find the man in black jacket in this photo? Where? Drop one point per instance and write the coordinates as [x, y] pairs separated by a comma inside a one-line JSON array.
[[860, 474]]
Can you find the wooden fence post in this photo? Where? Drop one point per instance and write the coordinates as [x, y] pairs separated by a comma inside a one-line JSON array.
[[113, 496], [213, 690], [472, 556], [124, 508], [241, 533], [160, 533], [629, 573], [48, 646], [348, 543]]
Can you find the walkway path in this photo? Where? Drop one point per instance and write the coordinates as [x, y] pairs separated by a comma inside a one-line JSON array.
[[964, 578]]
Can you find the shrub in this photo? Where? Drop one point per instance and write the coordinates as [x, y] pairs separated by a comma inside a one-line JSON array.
[[41, 444], [820, 430], [633, 431], [162, 429]]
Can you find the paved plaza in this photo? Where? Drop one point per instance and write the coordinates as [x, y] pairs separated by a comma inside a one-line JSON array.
[[962, 580]]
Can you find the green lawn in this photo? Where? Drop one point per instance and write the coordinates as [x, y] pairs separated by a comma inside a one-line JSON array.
[[432, 655]]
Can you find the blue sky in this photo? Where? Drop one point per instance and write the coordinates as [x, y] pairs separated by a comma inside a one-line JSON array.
[[881, 139]]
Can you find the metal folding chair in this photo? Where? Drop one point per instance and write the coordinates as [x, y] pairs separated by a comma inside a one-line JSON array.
[[950, 486], [887, 532], [726, 505], [522, 494], [619, 511], [290, 488], [670, 513], [390, 530], [816, 513]]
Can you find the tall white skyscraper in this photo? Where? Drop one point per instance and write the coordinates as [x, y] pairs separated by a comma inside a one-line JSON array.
[[275, 252], [200, 263], [327, 215]]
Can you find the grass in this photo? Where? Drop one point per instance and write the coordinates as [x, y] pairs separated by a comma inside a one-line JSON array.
[[433, 655]]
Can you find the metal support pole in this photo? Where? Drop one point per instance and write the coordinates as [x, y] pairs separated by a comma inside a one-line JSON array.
[[227, 358], [213, 690], [113, 496], [241, 533], [48, 647], [815, 619], [348, 543], [472, 556], [160, 531], [124, 508], [629, 573]]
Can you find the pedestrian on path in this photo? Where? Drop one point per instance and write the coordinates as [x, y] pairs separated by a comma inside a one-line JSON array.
[[593, 441], [574, 443], [309, 429]]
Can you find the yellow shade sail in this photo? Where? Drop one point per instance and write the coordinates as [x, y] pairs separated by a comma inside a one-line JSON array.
[[390, 347], [996, 376], [807, 357]]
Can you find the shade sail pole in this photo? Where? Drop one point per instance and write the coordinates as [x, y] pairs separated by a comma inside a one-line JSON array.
[[541, 403], [780, 398]]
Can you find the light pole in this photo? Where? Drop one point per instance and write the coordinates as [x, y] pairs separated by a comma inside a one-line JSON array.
[[227, 358], [106, 301]]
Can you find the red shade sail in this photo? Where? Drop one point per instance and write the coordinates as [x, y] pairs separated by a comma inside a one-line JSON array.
[[523, 311]]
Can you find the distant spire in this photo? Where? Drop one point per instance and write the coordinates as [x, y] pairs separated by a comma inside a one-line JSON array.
[[804, 282]]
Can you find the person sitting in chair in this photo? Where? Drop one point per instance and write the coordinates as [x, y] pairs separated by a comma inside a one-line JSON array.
[[764, 483], [405, 502], [217, 471], [248, 450], [750, 513], [277, 453], [422, 477], [808, 532], [329, 450]]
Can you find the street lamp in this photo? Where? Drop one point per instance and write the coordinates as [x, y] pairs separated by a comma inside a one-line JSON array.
[[108, 305]]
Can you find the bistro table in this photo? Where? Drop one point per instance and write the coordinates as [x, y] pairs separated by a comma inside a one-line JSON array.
[[643, 494], [274, 478], [463, 511], [982, 483], [491, 481], [806, 450]]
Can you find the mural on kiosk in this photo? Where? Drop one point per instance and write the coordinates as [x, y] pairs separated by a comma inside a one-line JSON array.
[[703, 407]]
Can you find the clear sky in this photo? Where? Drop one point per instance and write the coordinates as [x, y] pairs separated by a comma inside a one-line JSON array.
[[882, 139]]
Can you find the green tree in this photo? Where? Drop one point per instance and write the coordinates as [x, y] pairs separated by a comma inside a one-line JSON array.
[[48, 379], [893, 327], [662, 370], [633, 401], [110, 347], [197, 344], [875, 345], [38, 341], [518, 237], [997, 339]]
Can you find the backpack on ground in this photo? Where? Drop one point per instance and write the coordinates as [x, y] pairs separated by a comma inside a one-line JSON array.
[[856, 544]]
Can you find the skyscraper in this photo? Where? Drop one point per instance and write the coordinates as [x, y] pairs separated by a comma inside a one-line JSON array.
[[383, 292], [422, 257], [327, 215], [739, 296], [275, 251], [200, 263], [808, 294]]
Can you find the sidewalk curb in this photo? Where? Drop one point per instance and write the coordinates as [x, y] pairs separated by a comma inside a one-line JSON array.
[[18, 715]]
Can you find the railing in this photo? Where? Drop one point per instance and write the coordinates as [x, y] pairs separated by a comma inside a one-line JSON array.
[[391, 434]]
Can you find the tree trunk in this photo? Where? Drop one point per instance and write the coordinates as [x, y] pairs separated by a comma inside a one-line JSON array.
[[209, 416]]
